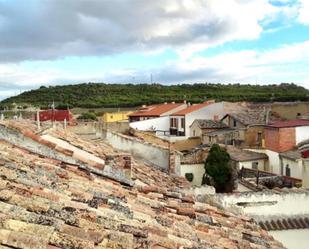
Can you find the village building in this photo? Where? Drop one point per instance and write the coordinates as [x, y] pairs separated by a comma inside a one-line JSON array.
[[109, 117], [248, 159], [200, 127], [156, 111], [54, 115]]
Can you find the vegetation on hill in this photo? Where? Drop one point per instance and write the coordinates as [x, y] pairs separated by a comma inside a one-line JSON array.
[[93, 95]]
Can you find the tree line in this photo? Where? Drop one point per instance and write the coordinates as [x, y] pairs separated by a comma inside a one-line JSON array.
[[94, 95]]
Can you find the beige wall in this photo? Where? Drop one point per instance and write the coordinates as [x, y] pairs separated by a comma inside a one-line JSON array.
[[196, 169], [290, 110], [248, 164]]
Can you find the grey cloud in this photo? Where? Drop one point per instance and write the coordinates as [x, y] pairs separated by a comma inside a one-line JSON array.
[[49, 29]]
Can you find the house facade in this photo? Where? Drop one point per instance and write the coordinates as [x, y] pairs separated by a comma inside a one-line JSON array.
[[156, 111], [181, 121], [201, 127], [282, 139], [109, 117]]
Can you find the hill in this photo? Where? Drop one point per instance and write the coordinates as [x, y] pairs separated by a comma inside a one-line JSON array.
[[92, 95]]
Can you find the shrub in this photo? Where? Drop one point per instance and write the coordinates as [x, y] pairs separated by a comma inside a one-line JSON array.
[[189, 177], [88, 116]]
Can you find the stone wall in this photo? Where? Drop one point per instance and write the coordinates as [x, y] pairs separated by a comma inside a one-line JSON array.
[[268, 203], [152, 154]]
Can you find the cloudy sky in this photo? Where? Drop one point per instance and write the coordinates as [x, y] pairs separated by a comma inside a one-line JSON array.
[[48, 42]]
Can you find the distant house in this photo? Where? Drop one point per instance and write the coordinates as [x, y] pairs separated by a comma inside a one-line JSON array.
[[109, 117], [295, 162], [155, 111], [246, 128], [248, 159], [55, 115], [281, 141], [181, 121], [201, 127]]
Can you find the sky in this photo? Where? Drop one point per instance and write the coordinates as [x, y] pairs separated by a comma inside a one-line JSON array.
[[54, 42]]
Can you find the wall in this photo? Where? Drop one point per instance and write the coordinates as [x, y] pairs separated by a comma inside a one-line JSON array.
[[195, 130], [292, 239], [273, 160], [306, 173], [187, 144], [296, 167], [152, 154], [280, 140], [289, 110], [251, 136], [302, 133], [197, 170], [207, 112], [157, 124], [248, 164], [115, 116]]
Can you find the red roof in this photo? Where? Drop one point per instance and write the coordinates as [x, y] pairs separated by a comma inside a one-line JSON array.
[[192, 108], [55, 115], [290, 123], [155, 110]]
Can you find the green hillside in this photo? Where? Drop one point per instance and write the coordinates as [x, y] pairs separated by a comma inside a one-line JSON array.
[[92, 95]]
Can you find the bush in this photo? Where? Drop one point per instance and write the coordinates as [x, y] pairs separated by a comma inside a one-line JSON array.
[[88, 116], [218, 168], [189, 177]]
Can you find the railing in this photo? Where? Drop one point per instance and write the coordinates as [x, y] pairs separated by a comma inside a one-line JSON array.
[[258, 174]]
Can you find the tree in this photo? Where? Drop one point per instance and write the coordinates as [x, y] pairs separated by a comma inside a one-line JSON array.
[[88, 116], [218, 169]]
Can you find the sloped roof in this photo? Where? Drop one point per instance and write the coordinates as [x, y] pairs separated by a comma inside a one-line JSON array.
[[192, 108], [290, 123], [47, 203], [155, 110], [208, 124], [291, 154]]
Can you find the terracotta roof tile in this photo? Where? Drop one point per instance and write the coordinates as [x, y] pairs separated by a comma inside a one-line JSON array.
[[47, 203], [192, 108], [290, 123], [155, 110]]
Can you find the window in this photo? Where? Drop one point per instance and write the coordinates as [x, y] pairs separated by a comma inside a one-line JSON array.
[[112, 116], [287, 170], [209, 139], [234, 123], [182, 123], [174, 122], [193, 133], [255, 165]]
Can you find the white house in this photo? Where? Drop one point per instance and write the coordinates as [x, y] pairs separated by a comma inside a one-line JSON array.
[[181, 121]]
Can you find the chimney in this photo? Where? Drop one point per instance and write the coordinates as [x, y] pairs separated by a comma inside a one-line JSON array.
[[165, 103], [185, 101], [173, 102]]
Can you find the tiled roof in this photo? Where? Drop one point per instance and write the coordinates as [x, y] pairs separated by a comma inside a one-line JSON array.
[[290, 123], [192, 108], [155, 110], [285, 224], [47, 203], [208, 124], [291, 154], [254, 116]]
